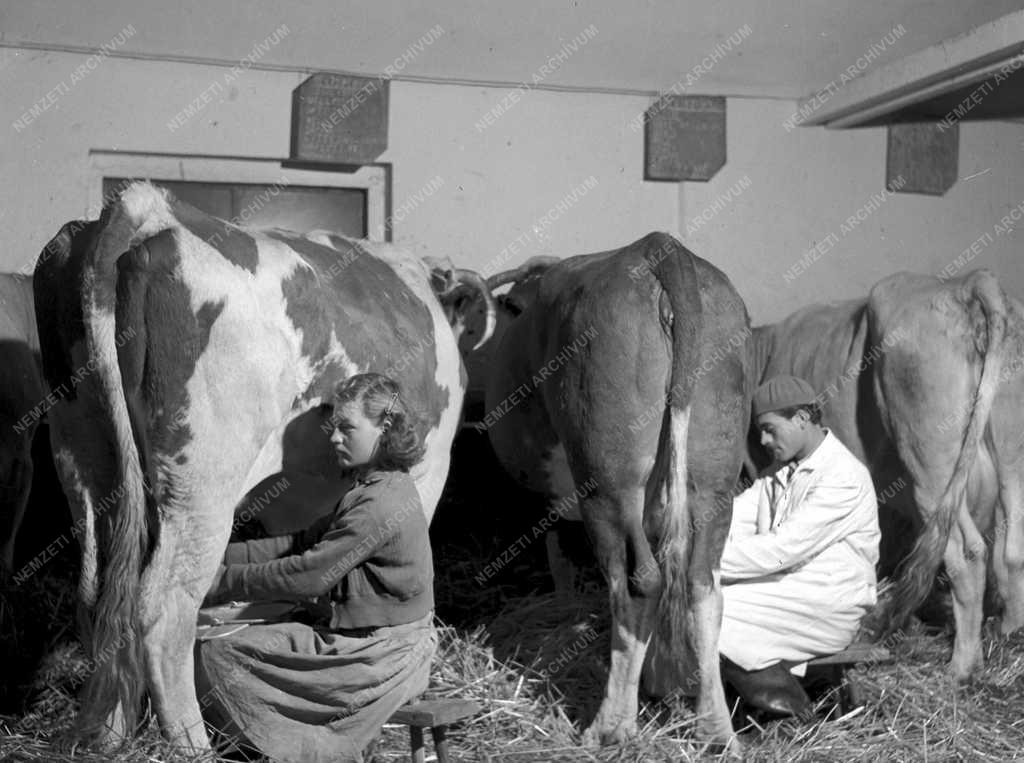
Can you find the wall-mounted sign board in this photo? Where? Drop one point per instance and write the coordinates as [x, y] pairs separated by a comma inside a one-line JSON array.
[[339, 119], [922, 158], [684, 137]]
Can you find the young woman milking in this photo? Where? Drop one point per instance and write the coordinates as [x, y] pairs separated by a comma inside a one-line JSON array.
[[298, 692]]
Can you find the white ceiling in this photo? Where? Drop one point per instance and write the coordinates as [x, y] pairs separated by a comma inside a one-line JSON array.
[[793, 49]]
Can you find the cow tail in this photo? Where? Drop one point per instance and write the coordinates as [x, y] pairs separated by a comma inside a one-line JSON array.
[[115, 671], [675, 270], [916, 573]]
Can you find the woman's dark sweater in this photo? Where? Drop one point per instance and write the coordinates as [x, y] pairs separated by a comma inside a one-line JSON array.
[[371, 558]]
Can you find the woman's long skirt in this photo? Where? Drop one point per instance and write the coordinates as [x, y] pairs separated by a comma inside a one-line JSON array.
[[300, 693]]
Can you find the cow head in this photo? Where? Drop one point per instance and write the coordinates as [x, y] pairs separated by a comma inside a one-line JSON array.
[[459, 291], [525, 281]]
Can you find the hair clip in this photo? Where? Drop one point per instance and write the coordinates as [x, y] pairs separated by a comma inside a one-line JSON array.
[[387, 411]]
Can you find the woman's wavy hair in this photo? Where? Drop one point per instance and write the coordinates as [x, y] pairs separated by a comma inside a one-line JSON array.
[[381, 401]]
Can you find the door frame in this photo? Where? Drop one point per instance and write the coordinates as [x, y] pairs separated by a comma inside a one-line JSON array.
[[374, 179]]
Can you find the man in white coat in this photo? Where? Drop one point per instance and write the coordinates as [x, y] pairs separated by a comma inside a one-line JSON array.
[[798, 569]]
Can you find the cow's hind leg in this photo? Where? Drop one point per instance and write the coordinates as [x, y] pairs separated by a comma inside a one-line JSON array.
[[1008, 549], [965, 565], [634, 584], [704, 617], [184, 561]]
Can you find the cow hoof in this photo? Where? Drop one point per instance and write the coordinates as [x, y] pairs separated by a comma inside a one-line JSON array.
[[734, 749], [962, 679], [595, 736], [728, 748], [967, 660]]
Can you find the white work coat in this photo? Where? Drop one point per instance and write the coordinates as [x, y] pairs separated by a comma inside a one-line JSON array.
[[798, 569]]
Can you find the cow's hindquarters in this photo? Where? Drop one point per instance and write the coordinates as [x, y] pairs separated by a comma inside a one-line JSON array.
[[649, 573], [912, 321]]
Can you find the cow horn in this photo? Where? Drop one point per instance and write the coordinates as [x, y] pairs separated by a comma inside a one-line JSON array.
[[528, 268], [474, 280]]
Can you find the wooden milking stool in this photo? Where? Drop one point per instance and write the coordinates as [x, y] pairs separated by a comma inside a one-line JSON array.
[[437, 715], [839, 665]]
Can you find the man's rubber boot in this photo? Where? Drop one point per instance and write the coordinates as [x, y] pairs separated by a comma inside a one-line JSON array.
[[773, 688]]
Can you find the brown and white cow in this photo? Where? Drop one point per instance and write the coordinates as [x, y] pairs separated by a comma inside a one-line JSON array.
[[192, 359], [22, 405], [907, 379], [613, 386]]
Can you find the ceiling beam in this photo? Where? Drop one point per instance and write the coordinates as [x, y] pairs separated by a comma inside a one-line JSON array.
[[952, 64]]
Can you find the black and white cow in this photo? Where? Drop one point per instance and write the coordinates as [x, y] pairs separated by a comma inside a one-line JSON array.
[[193, 359]]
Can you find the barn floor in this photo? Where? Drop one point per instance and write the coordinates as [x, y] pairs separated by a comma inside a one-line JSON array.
[[536, 662]]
